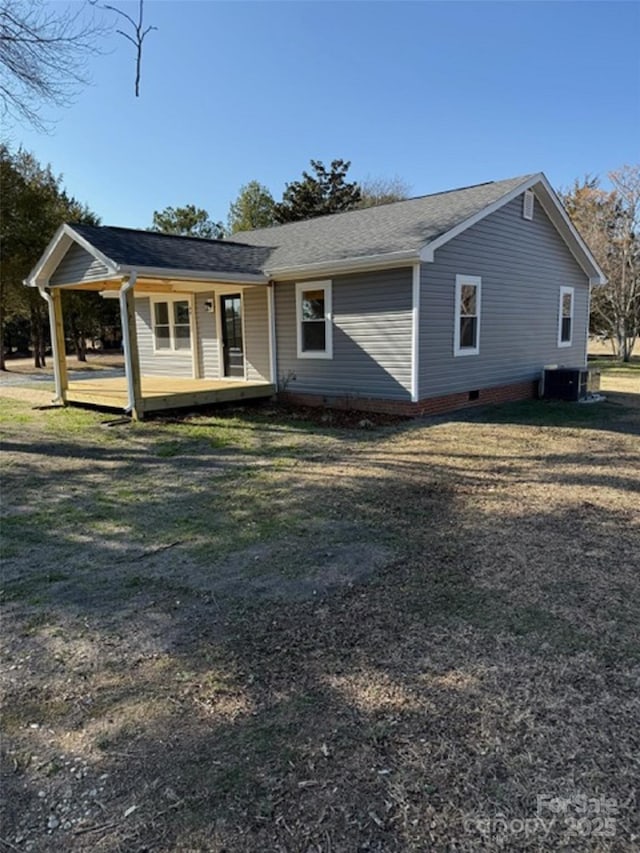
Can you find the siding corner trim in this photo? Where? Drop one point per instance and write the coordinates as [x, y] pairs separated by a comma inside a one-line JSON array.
[[415, 334]]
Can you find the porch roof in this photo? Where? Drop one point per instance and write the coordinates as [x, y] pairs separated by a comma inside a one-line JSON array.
[[142, 249]]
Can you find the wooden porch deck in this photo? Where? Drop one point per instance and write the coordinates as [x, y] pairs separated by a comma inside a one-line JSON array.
[[165, 392]]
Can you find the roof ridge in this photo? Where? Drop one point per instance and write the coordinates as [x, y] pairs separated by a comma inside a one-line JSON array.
[[326, 216], [147, 232]]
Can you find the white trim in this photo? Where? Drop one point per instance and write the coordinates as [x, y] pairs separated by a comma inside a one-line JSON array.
[[302, 287], [57, 249], [209, 276], [552, 207], [154, 298], [587, 324], [415, 334], [66, 235], [195, 336], [347, 265], [244, 336], [563, 292], [271, 319], [474, 281], [555, 210], [218, 316], [427, 252], [97, 254]]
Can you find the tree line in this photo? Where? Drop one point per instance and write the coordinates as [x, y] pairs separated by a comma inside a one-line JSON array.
[[34, 202], [320, 191]]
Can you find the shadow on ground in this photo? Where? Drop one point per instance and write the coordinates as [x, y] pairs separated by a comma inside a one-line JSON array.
[[304, 641]]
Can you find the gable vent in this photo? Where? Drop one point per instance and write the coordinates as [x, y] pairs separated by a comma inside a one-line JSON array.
[[527, 205]]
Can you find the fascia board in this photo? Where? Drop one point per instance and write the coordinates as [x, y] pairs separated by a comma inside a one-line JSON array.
[[56, 250], [51, 256], [192, 275], [555, 210], [552, 207], [97, 254], [428, 250]]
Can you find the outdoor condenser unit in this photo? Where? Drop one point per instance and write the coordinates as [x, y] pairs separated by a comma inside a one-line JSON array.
[[570, 383]]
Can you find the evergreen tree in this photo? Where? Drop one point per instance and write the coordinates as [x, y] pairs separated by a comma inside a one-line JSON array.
[[252, 209], [33, 204], [187, 221], [326, 191]]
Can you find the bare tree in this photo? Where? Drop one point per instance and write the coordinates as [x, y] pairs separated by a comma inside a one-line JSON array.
[[626, 240], [609, 220], [138, 37], [43, 53], [376, 191]]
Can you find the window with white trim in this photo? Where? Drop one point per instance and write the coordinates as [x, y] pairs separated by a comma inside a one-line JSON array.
[[313, 319], [466, 333], [171, 320], [565, 317]]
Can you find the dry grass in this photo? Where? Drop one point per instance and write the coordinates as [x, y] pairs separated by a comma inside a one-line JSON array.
[[94, 361], [266, 635]]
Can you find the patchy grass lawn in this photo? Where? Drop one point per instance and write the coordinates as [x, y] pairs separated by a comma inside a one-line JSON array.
[[253, 633]]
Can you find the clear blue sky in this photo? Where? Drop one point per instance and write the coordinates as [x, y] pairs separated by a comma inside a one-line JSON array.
[[440, 94]]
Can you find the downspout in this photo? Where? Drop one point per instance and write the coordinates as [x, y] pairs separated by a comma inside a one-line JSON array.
[[54, 343], [126, 341]]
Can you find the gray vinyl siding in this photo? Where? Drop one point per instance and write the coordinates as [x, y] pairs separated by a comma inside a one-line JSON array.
[[78, 266], [256, 334], [152, 364], [522, 264], [206, 335], [371, 339]]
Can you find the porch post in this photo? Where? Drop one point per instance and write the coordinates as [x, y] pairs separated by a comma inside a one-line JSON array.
[[130, 346], [271, 320], [59, 351]]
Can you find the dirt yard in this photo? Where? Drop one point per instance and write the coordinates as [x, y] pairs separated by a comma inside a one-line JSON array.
[[250, 632]]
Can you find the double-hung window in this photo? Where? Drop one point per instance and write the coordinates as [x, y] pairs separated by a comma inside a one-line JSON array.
[[171, 325], [313, 319], [466, 332], [565, 317]]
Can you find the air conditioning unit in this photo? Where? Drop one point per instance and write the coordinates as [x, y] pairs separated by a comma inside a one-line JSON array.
[[570, 383]]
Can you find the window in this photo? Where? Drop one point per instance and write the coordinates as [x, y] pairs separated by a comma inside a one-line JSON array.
[[467, 323], [313, 319], [171, 325], [565, 317]]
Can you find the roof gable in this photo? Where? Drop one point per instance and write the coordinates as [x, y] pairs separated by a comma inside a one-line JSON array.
[[143, 249], [79, 264], [400, 233], [399, 227]]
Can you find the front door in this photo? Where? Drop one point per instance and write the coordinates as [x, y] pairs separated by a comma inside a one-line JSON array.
[[232, 346]]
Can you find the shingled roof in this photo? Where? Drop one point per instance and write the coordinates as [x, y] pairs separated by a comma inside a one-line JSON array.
[[170, 251], [400, 232], [403, 226], [400, 226]]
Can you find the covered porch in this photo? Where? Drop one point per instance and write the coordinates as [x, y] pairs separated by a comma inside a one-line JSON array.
[[158, 393], [197, 317]]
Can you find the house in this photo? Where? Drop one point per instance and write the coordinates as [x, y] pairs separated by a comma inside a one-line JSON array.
[[419, 306]]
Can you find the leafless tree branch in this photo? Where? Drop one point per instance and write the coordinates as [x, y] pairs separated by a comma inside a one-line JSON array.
[[137, 39], [43, 53]]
